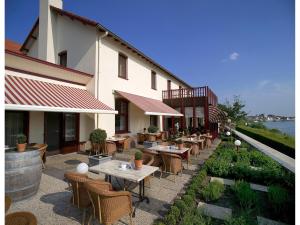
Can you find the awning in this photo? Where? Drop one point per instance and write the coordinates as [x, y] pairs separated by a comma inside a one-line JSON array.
[[150, 106], [35, 95], [216, 115]]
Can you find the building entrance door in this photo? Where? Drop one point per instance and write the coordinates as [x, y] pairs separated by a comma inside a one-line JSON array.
[[61, 132], [53, 132]]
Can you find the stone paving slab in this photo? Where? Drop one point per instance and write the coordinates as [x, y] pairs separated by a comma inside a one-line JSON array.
[[214, 211], [266, 221], [229, 182]]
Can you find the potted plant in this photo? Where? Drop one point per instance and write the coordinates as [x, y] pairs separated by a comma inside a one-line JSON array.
[[138, 159], [152, 129], [179, 144], [97, 138], [21, 142]]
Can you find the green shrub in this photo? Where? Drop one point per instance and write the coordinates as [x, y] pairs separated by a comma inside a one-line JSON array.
[[213, 191], [138, 155], [152, 129], [191, 192], [175, 211], [241, 170], [228, 154], [278, 197], [180, 204], [236, 221], [258, 159], [98, 136], [243, 156], [159, 222], [188, 200], [217, 166], [195, 217], [170, 219], [21, 139], [245, 195]]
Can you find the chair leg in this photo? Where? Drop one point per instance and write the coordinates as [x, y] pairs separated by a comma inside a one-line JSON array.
[[130, 218], [90, 218], [83, 217]]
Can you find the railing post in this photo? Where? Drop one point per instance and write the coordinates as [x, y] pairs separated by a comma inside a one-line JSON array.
[[206, 111]]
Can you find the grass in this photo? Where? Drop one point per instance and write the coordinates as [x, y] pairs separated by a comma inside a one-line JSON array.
[[275, 136]]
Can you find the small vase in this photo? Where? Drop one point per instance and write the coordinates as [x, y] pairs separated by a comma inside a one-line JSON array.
[[138, 164], [21, 147]]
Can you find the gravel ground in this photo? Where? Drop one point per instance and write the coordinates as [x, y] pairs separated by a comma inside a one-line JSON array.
[[52, 206]]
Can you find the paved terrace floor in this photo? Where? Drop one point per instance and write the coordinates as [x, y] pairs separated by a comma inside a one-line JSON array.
[[51, 204]]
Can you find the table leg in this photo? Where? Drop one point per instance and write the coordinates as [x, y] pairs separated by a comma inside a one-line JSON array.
[[142, 196]]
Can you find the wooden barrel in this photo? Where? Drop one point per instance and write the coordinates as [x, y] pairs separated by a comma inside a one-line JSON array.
[[23, 171]]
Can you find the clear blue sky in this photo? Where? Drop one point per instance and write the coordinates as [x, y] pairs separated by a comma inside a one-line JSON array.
[[236, 47]]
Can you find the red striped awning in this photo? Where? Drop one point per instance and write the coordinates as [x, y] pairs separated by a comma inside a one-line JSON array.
[[150, 106], [35, 95], [216, 115]]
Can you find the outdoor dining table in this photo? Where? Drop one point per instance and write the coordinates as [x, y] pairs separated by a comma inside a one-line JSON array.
[[168, 149], [112, 168], [172, 149], [193, 140]]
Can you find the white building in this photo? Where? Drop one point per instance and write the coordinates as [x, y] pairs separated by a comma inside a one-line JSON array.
[[72, 75]]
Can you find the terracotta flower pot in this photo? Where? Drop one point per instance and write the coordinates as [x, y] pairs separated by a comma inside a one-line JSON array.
[[21, 147], [180, 146], [138, 164]]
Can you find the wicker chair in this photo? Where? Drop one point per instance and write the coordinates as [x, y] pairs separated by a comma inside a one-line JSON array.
[[172, 163], [42, 148], [194, 148], [20, 218], [148, 160], [157, 158], [110, 148], [127, 143], [109, 206], [151, 137], [80, 196], [140, 138]]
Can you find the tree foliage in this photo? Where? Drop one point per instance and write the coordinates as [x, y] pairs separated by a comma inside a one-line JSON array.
[[235, 109]]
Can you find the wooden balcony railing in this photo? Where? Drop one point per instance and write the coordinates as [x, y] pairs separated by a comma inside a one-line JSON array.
[[191, 93]]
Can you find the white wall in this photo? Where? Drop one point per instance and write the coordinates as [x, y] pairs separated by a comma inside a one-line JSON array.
[[86, 126], [137, 119], [80, 43], [36, 127], [138, 82], [33, 50]]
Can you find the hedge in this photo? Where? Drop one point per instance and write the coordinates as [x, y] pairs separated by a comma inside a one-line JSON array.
[[281, 147]]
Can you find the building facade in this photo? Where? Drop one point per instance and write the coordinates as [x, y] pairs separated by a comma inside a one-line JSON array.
[[65, 49]]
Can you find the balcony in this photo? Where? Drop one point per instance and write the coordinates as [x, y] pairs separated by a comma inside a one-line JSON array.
[[191, 96]]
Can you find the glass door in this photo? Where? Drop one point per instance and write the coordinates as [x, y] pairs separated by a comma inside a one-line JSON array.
[[70, 134], [53, 131]]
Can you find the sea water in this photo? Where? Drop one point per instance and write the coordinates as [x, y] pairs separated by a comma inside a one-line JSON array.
[[287, 127]]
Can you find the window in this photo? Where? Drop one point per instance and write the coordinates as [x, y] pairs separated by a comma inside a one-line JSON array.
[[70, 127], [153, 80], [63, 58], [121, 123], [153, 121], [15, 123], [122, 66], [169, 85]]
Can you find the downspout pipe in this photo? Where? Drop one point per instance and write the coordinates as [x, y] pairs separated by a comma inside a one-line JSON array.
[[100, 37]]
